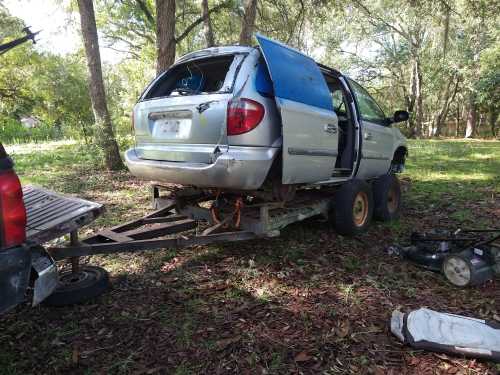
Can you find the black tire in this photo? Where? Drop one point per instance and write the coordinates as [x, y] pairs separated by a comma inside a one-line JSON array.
[[387, 197], [353, 207], [88, 283]]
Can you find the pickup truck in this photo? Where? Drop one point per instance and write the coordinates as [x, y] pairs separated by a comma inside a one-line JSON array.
[[29, 218]]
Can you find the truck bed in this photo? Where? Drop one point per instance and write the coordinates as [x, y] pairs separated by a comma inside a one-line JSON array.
[[51, 215]]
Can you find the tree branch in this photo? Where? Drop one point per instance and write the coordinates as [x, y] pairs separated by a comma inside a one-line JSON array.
[[188, 29], [359, 4], [147, 13]]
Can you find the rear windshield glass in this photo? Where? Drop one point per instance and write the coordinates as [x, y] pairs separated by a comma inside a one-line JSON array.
[[204, 76]]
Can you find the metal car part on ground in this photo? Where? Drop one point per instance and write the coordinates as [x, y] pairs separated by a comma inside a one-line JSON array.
[[447, 333]]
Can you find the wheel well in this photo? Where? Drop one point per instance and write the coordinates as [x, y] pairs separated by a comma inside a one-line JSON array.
[[399, 159]]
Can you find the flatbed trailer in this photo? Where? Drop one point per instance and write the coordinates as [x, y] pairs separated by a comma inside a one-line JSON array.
[[187, 218], [181, 218]]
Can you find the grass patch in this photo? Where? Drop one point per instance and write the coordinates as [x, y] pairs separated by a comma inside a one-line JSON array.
[[452, 170]]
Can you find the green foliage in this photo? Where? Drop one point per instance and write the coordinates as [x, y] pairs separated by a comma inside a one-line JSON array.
[[488, 84], [49, 87], [376, 42], [12, 131]]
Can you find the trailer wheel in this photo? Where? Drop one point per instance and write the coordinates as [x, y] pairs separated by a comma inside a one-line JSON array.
[[353, 207], [387, 197], [86, 284]]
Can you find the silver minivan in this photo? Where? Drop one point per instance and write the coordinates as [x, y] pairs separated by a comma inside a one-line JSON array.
[[243, 118]]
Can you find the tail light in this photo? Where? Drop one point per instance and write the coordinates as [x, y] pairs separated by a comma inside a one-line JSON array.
[[243, 115], [12, 210]]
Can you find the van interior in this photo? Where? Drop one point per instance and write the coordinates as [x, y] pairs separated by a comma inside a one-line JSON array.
[[347, 136], [192, 78]]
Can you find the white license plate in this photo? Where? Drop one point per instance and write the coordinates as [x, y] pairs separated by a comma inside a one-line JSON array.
[[172, 128], [168, 126]]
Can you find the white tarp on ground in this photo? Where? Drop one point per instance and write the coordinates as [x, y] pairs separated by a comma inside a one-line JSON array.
[[432, 330]]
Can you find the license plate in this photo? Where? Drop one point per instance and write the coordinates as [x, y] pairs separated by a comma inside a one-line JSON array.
[[168, 126], [172, 128]]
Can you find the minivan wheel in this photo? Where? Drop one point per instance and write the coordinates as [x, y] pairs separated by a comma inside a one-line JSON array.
[[387, 197], [353, 207]]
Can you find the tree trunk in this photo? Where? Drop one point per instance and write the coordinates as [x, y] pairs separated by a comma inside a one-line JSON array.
[[104, 130], [419, 106], [207, 24], [470, 129], [492, 120], [416, 98], [480, 123], [449, 97], [165, 34], [457, 120], [248, 23]]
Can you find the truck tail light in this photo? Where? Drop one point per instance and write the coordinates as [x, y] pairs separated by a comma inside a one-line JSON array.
[[243, 115], [12, 210]]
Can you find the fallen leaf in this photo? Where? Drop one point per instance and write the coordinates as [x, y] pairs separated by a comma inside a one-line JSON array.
[[224, 343], [75, 356], [343, 329], [302, 357]]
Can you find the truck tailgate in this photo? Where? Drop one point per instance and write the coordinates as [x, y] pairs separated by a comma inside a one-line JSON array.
[[51, 215]]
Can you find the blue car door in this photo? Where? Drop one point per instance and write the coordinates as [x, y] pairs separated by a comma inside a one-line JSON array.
[[309, 123]]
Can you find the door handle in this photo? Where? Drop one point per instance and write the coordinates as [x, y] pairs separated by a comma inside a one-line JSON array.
[[331, 128], [368, 136]]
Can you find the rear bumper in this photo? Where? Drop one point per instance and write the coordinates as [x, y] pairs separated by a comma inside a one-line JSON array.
[[15, 268], [241, 168]]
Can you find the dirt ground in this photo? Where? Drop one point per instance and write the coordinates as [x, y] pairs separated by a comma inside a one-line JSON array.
[[309, 302]]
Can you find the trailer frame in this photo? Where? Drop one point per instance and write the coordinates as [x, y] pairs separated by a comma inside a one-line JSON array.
[[185, 217]]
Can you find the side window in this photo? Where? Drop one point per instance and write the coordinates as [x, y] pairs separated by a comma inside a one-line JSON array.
[[338, 101], [368, 108]]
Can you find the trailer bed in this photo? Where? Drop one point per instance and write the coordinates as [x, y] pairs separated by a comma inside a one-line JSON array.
[[182, 220], [51, 215]]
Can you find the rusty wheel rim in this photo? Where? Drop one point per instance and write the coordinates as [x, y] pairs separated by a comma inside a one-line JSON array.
[[71, 278], [360, 209], [392, 199]]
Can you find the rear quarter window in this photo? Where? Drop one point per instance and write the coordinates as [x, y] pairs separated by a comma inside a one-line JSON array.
[[263, 83], [201, 76]]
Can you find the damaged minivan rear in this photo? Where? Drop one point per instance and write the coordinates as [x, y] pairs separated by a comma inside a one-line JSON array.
[[208, 121], [261, 118]]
